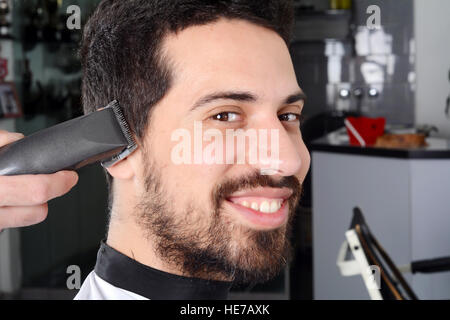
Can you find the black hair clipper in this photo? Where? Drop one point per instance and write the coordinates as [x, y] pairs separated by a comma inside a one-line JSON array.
[[102, 136]]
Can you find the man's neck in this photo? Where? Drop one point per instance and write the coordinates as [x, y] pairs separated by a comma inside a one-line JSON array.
[[127, 238]]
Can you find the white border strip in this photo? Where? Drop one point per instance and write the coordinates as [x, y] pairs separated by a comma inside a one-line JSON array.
[[355, 133]]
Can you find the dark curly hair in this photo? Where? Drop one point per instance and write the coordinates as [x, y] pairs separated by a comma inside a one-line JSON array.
[[121, 48]]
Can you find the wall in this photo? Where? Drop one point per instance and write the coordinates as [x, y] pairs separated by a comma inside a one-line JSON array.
[[433, 62], [10, 267], [382, 59]]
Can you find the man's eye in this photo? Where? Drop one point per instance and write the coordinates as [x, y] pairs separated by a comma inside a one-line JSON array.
[[226, 117], [291, 117]]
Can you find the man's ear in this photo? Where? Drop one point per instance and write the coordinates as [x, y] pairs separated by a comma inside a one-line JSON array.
[[122, 170]]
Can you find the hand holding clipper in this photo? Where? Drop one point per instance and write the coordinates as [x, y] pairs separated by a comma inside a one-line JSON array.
[[102, 136], [36, 169], [23, 199]]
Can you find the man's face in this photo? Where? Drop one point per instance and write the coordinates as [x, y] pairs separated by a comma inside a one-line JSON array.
[[224, 219]]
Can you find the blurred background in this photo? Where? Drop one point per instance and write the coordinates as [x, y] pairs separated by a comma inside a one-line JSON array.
[[348, 62]]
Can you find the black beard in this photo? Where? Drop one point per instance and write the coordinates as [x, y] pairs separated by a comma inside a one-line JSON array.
[[206, 252]]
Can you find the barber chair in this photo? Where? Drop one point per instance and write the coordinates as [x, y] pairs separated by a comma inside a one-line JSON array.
[[362, 254]]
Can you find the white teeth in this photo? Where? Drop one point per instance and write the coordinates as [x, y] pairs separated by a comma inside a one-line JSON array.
[[275, 206], [246, 204], [265, 207]]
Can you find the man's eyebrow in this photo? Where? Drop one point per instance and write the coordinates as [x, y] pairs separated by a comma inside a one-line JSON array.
[[226, 95], [300, 96], [243, 97]]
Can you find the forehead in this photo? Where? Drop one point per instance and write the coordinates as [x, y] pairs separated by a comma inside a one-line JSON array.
[[230, 55]]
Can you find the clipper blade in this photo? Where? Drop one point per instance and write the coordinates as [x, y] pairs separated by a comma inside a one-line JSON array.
[[132, 145]]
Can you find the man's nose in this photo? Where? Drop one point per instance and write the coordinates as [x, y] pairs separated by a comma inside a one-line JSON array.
[[278, 153]]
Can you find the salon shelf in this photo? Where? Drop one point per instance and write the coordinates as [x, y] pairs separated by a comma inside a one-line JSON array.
[[437, 149]]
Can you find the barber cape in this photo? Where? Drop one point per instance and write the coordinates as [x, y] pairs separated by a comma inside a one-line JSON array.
[[118, 277]]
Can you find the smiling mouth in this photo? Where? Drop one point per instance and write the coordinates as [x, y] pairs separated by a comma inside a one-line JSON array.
[[262, 208]]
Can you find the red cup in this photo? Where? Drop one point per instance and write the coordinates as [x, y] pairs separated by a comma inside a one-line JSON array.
[[369, 129]]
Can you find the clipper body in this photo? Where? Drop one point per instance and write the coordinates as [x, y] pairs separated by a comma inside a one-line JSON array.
[[102, 136]]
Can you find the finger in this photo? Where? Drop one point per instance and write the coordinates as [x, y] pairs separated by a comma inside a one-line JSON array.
[[9, 137], [31, 190], [15, 217]]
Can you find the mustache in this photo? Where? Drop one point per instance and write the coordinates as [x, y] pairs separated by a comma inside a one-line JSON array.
[[225, 189]]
